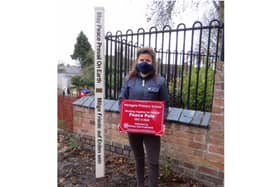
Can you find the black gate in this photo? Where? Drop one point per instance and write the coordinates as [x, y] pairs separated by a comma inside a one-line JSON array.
[[186, 57]]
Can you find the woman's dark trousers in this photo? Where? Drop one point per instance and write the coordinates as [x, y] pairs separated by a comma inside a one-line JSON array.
[[152, 145]]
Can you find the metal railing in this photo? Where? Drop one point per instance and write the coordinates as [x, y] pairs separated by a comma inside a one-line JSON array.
[[186, 57]]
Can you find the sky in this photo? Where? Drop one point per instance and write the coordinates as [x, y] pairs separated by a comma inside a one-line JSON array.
[[74, 16]]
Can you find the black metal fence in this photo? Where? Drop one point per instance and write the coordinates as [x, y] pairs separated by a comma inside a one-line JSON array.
[[186, 57]]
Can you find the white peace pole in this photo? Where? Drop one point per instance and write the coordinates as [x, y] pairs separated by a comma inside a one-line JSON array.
[[99, 92]]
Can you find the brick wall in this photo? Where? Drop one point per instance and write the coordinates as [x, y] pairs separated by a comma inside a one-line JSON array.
[[65, 110], [194, 152]]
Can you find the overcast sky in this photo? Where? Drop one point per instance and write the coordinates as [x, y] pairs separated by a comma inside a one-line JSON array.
[[74, 16]]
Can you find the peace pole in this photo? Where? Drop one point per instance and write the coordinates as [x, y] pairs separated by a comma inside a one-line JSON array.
[[99, 92]]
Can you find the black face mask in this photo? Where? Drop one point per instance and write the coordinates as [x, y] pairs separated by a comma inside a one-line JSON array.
[[144, 67]]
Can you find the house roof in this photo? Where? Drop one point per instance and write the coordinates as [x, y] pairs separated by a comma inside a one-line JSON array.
[[72, 69], [67, 69]]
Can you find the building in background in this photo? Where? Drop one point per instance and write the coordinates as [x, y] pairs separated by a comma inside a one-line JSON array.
[[64, 75]]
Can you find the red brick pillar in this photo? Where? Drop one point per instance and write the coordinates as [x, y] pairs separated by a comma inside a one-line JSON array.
[[60, 107], [65, 111], [215, 146]]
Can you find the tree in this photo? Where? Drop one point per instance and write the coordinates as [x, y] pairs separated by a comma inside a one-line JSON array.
[[89, 58], [160, 13], [88, 72], [170, 12], [85, 55], [215, 11], [219, 7], [88, 83], [76, 80], [83, 51]]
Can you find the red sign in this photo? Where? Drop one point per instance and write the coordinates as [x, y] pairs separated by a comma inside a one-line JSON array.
[[141, 116]]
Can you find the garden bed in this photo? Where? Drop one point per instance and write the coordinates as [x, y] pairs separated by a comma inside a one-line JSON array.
[[76, 168]]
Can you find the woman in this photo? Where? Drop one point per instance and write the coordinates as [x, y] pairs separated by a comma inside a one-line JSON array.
[[143, 83]]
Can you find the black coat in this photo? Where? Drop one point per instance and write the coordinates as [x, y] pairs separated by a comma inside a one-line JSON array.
[[150, 88]]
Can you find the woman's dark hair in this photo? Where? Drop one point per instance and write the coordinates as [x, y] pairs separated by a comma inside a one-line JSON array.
[[140, 51]]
